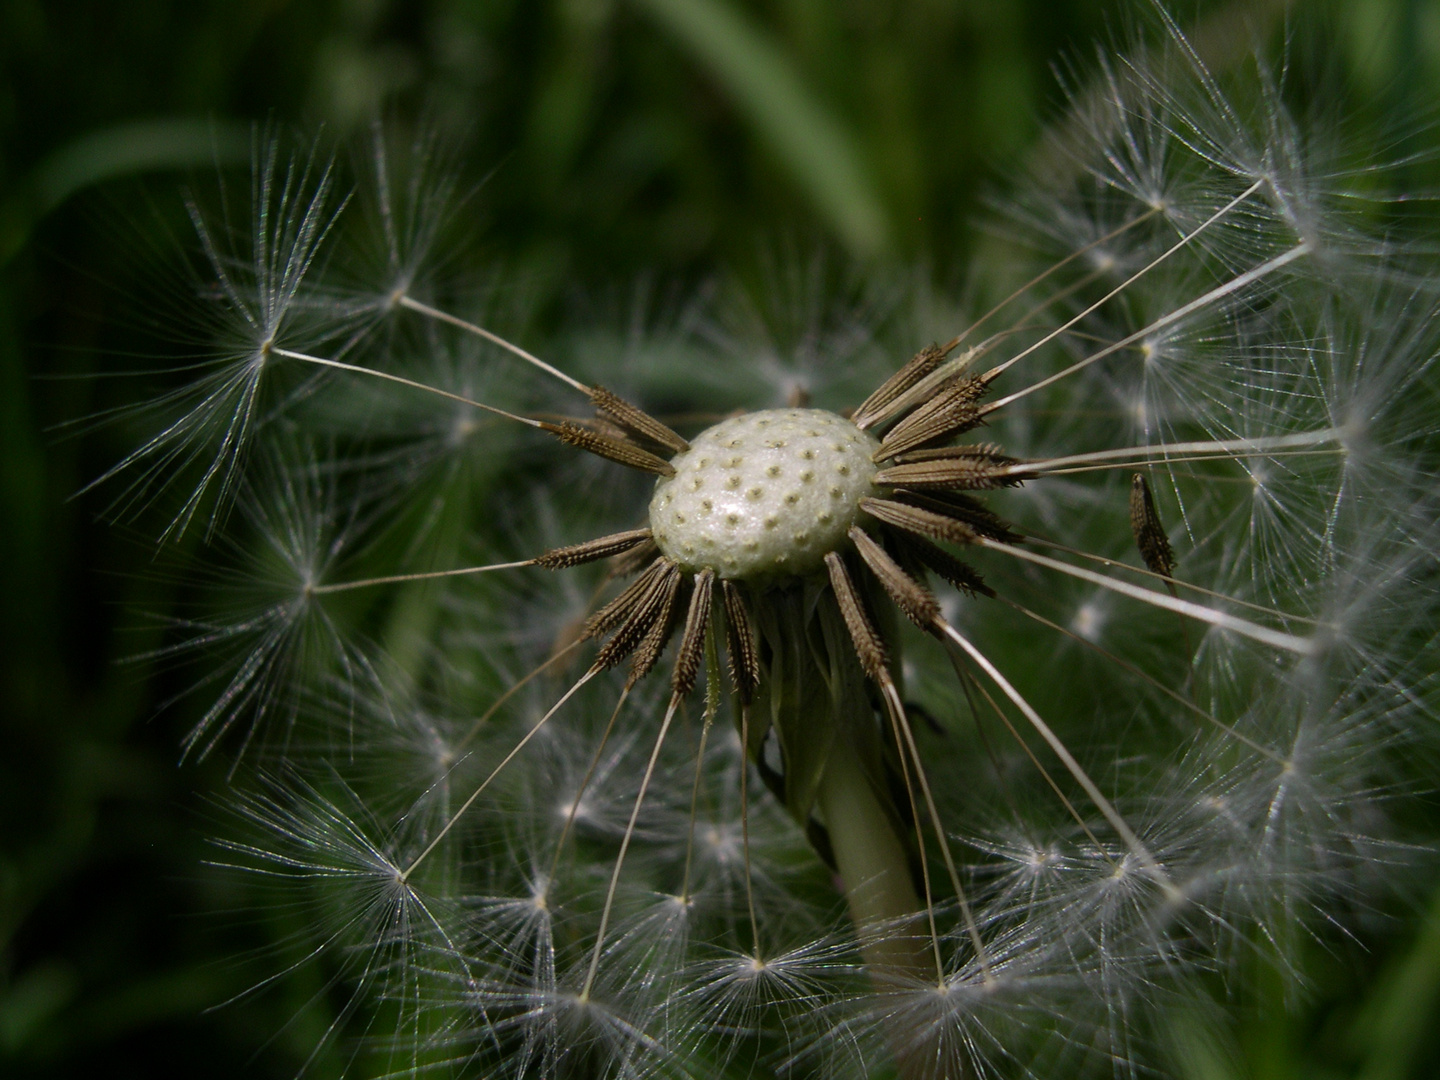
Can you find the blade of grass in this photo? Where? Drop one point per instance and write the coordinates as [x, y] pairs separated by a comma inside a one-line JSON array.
[[132, 147], [1397, 1022], [807, 137]]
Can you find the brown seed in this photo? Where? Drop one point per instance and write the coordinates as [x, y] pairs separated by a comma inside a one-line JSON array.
[[922, 522], [740, 643], [590, 550], [1149, 533], [963, 471], [636, 420], [642, 616], [635, 560], [962, 508], [916, 601], [606, 446], [950, 412], [657, 635], [957, 573], [692, 642], [619, 609], [870, 647], [920, 365]]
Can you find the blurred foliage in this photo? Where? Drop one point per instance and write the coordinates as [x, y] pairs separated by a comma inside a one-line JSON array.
[[606, 141]]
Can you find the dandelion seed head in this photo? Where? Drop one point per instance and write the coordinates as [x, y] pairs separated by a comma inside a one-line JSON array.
[[581, 872], [764, 495]]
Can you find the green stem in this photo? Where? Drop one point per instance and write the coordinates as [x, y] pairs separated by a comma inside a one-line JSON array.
[[874, 869]]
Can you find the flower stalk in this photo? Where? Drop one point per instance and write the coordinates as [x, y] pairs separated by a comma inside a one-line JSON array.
[[875, 871]]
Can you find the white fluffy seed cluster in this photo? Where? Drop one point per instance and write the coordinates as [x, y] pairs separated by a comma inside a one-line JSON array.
[[764, 495]]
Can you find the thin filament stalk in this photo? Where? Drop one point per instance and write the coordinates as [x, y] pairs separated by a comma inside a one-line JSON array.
[[356, 369], [1106, 808], [426, 575], [1235, 284], [1275, 638], [494, 339], [1181, 243], [1130, 455], [625, 846], [405, 874]]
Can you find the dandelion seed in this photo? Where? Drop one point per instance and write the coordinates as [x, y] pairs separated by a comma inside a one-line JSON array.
[[208, 425]]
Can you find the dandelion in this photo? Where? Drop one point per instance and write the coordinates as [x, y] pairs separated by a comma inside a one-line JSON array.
[[1069, 660]]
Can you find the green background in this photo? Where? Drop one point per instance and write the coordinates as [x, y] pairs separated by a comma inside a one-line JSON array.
[[607, 142]]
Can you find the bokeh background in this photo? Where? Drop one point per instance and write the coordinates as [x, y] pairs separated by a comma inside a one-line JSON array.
[[606, 143]]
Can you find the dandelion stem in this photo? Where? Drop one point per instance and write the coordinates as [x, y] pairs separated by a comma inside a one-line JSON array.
[[340, 365], [494, 339], [874, 869]]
